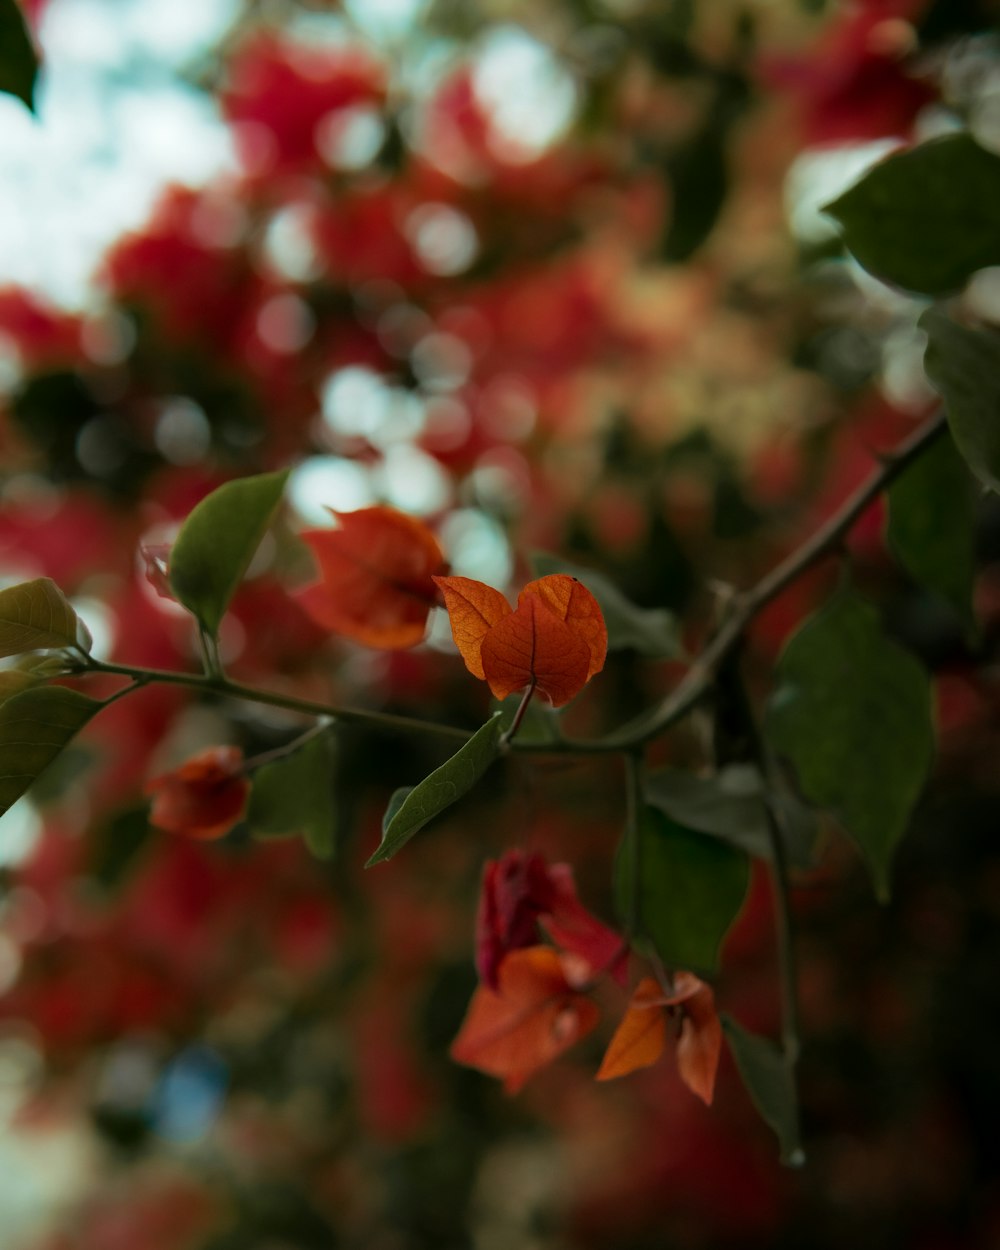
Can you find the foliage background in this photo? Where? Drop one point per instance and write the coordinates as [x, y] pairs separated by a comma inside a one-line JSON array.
[[551, 276]]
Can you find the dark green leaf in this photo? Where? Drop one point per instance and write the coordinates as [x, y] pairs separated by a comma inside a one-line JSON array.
[[35, 725], [218, 541], [294, 795], [931, 526], [650, 631], [396, 801], [443, 787], [691, 888], [964, 367], [18, 61], [852, 712], [770, 1082], [926, 219], [36, 615], [730, 805]]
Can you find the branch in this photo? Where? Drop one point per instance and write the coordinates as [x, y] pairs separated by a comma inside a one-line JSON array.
[[827, 538]]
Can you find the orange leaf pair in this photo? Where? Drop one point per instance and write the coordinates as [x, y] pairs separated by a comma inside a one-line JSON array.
[[532, 1017], [202, 799], [376, 577], [641, 1037], [554, 640]]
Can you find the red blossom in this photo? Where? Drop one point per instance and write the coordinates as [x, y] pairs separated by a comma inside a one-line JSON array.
[[519, 892], [203, 798]]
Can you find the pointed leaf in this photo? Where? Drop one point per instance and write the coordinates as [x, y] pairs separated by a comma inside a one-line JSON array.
[[444, 786], [650, 631], [925, 219], [691, 888], [35, 725], [641, 1037], [217, 542], [964, 368], [770, 1082], [533, 1017], [852, 712], [293, 795], [18, 60], [376, 577], [533, 646], [932, 524], [473, 609], [730, 805], [35, 616]]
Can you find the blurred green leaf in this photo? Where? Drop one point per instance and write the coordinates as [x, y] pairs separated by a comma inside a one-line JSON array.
[[217, 542], [852, 712], [691, 888], [932, 526], [730, 805], [18, 61], [770, 1081], [35, 725], [37, 615], [294, 795], [964, 368], [650, 631], [925, 219], [435, 793]]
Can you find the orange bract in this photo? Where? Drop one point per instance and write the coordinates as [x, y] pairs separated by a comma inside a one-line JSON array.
[[473, 609], [700, 1042], [376, 577], [641, 1036], [554, 640], [530, 1021], [203, 798]]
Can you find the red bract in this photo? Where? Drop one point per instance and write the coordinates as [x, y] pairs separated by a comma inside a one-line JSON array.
[[554, 640], [202, 799], [376, 577], [520, 891], [533, 1017]]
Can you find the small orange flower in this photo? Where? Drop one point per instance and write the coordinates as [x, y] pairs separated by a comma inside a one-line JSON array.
[[555, 640], [203, 798], [641, 1037]]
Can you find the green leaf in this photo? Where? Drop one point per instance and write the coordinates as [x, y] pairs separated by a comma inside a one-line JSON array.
[[35, 725], [218, 541], [443, 787], [770, 1081], [294, 795], [932, 526], [37, 615], [731, 805], [18, 61], [926, 219], [691, 889], [964, 368], [852, 712], [650, 631]]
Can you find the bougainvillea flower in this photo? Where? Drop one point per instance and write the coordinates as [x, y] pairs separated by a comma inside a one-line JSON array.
[[555, 640], [156, 558], [533, 1016], [376, 577], [203, 798], [641, 1037], [519, 892]]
